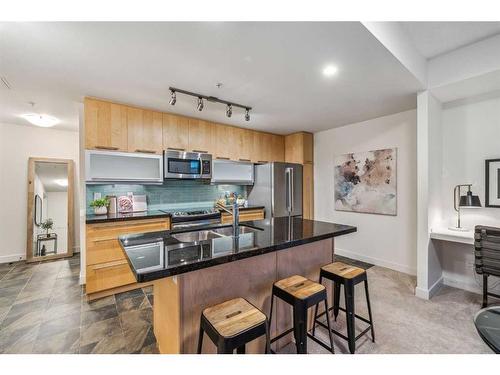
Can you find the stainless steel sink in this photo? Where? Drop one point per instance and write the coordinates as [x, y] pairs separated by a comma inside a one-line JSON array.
[[204, 235]]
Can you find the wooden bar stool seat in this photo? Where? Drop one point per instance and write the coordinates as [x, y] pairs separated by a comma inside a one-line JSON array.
[[232, 324], [301, 293], [348, 276]]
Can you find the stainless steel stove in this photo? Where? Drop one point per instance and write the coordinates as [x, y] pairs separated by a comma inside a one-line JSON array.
[[194, 218]]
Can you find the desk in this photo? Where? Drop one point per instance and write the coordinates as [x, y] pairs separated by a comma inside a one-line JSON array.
[[445, 234]]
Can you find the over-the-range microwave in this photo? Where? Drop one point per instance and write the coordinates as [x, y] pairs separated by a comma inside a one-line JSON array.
[[187, 165]]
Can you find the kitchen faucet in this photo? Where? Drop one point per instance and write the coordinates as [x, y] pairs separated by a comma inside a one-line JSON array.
[[235, 213]]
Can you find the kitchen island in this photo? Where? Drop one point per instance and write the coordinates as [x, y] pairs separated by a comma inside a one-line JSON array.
[[195, 269]]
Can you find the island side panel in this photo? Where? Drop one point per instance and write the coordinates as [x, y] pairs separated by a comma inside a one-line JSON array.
[[167, 315], [305, 260], [250, 278]]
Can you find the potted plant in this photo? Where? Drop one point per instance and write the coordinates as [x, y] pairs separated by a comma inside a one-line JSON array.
[[47, 225], [100, 206]]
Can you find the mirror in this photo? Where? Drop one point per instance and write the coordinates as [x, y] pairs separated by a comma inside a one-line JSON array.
[[50, 209]]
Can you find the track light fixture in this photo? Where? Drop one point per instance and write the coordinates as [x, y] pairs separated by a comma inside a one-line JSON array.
[[213, 99], [200, 104], [173, 98]]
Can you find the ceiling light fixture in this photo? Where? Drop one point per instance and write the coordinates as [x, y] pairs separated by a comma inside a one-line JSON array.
[[45, 121], [173, 98], [211, 99], [200, 104], [330, 70]]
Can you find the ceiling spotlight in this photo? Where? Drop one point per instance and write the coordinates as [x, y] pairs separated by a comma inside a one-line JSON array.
[[247, 114], [200, 104], [173, 98], [330, 70], [229, 110], [44, 121]]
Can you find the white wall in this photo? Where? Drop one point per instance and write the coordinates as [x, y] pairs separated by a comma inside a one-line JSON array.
[[17, 144], [471, 134], [57, 210], [388, 241]]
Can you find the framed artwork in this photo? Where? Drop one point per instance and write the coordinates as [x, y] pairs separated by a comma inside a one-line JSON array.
[[366, 182], [492, 183]]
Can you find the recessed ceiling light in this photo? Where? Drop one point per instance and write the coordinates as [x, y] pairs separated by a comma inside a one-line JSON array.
[[330, 70], [44, 121], [61, 182]]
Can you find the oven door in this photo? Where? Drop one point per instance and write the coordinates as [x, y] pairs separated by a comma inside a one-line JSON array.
[[187, 165]]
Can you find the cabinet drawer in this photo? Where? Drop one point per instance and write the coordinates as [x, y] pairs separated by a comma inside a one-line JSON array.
[[110, 231], [247, 215], [108, 275], [103, 251]]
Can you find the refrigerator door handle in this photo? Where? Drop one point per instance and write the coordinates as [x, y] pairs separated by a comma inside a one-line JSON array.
[[292, 195], [289, 189]]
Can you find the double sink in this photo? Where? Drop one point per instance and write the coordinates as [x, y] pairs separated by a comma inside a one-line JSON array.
[[210, 234]]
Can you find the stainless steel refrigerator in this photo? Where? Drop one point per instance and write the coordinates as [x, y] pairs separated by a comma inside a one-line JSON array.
[[278, 187]]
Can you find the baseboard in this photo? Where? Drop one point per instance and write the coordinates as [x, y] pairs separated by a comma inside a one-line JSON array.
[[378, 262], [472, 286], [428, 293], [12, 258]]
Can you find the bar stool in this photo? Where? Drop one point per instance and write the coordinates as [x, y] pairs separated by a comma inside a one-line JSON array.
[[301, 294], [348, 276], [231, 325]]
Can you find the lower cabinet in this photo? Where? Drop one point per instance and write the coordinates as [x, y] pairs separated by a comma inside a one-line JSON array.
[[107, 269], [245, 215]]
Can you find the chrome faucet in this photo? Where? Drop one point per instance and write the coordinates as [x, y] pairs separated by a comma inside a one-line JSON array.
[[235, 213]]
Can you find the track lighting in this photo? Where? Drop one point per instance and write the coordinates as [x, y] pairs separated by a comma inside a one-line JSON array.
[[212, 99], [173, 98], [200, 104]]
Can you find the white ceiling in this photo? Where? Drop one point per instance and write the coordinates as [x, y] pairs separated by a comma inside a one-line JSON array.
[[435, 38], [274, 67]]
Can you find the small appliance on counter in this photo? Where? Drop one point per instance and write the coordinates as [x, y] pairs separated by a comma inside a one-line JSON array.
[[113, 204]]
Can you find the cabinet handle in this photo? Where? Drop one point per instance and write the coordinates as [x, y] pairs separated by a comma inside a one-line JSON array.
[[146, 151], [244, 159], [201, 151], [222, 158], [106, 147], [176, 149], [262, 161]]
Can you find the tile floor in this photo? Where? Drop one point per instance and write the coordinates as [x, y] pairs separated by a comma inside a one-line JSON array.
[[43, 310]]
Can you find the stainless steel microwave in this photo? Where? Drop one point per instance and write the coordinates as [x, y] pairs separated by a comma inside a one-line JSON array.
[[187, 165]]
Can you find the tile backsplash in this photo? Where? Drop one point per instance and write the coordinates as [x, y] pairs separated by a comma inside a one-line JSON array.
[[173, 194]]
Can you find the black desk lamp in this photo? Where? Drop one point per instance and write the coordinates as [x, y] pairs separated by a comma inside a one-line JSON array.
[[463, 201]]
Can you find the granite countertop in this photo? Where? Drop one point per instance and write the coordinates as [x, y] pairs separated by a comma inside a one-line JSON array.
[[159, 254], [150, 214]]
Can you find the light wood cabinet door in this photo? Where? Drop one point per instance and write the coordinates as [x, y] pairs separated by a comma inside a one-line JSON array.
[[225, 142], [308, 191], [262, 147], [175, 132], [245, 215], [145, 131], [244, 144], [105, 125], [299, 148], [277, 148], [201, 136]]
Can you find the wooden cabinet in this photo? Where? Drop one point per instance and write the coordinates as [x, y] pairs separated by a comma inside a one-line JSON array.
[[145, 131], [277, 147], [225, 142], [245, 215], [244, 144], [105, 125], [106, 264], [299, 148], [308, 191], [261, 147], [175, 132], [200, 136]]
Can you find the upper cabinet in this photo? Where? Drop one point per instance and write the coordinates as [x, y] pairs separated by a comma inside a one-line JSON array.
[[175, 132], [145, 131], [278, 147], [225, 142], [201, 136], [299, 148], [105, 125]]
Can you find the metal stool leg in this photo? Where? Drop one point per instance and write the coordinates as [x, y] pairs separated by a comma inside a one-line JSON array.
[[336, 299], [241, 350], [200, 338], [485, 290], [369, 310], [328, 324], [316, 317], [268, 338], [300, 329], [349, 304]]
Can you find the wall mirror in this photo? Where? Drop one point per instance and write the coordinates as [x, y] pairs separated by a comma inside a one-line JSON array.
[[50, 209]]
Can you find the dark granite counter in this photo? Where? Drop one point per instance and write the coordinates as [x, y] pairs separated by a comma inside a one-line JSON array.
[[161, 254], [151, 214]]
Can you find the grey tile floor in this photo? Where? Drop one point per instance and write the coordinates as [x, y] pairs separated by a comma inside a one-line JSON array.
[[43, 310]]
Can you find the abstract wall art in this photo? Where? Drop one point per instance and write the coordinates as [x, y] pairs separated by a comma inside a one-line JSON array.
[[366, 182]]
